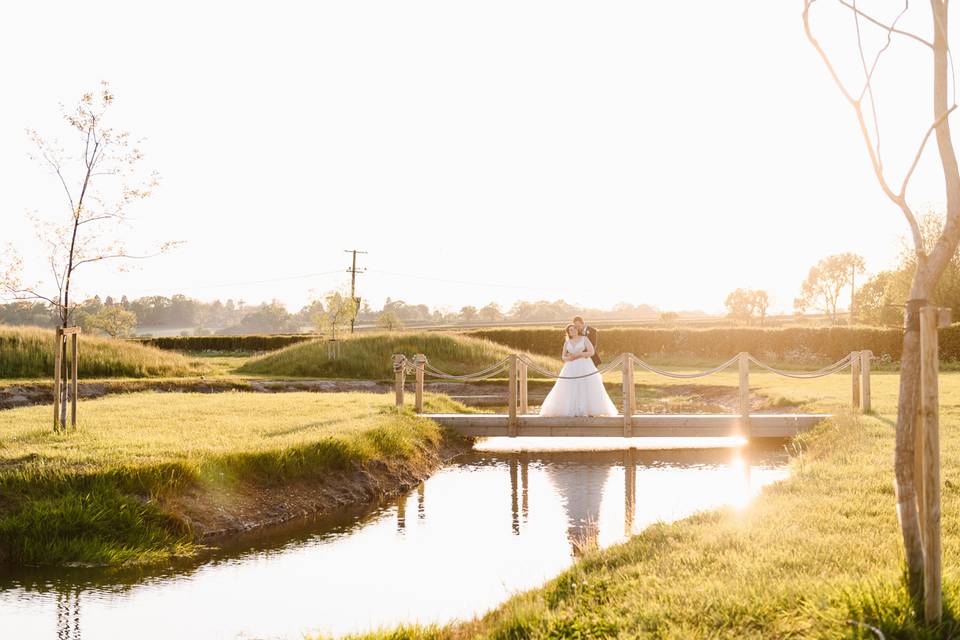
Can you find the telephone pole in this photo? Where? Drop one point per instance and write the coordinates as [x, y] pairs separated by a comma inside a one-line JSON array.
[[353, 271]]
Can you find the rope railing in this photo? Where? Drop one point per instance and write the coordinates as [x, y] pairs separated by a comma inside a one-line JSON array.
[[519, 365]]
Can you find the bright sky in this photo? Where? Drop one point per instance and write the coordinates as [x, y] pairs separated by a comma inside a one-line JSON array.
[[663, 153]]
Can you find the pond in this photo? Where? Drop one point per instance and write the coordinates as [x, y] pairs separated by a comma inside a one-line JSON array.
[[492, 523]]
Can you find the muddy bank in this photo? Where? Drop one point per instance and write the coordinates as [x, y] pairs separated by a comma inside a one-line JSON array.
[[214, 515]]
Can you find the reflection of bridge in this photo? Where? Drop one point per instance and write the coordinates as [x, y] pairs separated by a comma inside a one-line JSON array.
[[518, 421]]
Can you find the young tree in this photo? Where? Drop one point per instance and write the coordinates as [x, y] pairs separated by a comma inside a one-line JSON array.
[[340, 308], [113, 320], [930, 261], [826, 281], [100, 182], [389, 321]]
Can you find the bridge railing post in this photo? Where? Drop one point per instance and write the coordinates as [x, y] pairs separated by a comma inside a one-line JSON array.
[[512, 397], [399, 376], [865, 357], [524, 387], [629, 396], [419, 361], [854, 380], [743, 360]]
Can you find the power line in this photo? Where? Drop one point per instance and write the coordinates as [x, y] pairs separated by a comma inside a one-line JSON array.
[[238, 284], [478, 284]]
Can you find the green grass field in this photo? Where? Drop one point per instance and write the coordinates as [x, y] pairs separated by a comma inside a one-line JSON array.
[[96, 495], [815, 556], [28, 352], [367, 356]]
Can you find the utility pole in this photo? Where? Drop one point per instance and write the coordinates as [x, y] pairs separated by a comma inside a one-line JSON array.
[[353, 284]]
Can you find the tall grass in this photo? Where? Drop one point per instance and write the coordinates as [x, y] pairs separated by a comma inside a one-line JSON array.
[[367, 356], [102, 494], [28, 352]]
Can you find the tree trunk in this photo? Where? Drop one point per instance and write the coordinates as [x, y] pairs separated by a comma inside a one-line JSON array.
[[905, 453]]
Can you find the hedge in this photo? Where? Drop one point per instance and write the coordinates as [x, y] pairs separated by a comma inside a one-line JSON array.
[[248, 343], [787, 343]]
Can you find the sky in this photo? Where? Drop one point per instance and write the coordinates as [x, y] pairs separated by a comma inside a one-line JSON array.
[[660, 153]]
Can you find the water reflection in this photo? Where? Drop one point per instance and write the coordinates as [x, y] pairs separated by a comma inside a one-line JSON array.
[[495, 523]]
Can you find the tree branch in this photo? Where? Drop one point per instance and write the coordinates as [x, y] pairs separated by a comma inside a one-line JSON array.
[[889, 28]]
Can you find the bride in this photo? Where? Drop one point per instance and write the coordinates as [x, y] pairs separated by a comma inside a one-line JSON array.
[[573, 395]]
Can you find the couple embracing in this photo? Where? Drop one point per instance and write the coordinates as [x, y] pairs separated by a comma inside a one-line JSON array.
[[579, 389]]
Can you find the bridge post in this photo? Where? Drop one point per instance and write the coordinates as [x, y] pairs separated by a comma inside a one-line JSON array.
[[855, 380], [629, 396], [524, 388], [743, 360], [399, 370], [419, 360], [930, 478], [512, 397], [865, 357]]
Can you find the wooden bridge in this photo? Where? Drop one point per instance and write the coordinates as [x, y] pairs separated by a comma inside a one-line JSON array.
[[519, 422]]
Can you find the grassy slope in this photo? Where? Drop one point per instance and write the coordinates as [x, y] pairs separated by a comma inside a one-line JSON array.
[[91, 496], [808, 556], [367, 356], [28, 352]]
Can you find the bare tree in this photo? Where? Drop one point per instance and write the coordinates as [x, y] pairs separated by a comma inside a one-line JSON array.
[[99, 184], [930, 262]]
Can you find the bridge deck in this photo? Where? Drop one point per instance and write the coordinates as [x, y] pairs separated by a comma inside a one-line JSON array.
[[642, 426]]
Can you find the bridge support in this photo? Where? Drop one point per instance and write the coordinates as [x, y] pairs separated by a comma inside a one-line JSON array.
[[399, 375], [419, 361], [743, 360], [629, 396], [524, 387], [512, 397]]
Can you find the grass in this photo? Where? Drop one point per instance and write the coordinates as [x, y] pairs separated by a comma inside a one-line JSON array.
[[815, 556], [367, 356], [101, 494], [28, 352]]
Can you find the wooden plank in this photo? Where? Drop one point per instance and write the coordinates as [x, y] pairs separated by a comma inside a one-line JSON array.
[[70, 331], [929, 402], [646, 426]]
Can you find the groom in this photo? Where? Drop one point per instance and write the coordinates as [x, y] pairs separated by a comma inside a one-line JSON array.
[[591, 334]]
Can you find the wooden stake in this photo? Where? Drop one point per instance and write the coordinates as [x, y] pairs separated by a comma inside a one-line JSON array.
[[512, 397], [524, 388], [854, 380], [629, 396], [744, 362], [865, 357], [419, 360], [399, 366], [57, 374], [930, 407], [73, 379]]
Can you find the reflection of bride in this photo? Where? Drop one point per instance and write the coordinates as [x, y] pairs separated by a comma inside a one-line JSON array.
[[580, 486], [572, 395]]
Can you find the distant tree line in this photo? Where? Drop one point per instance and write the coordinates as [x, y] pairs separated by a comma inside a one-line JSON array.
[[329, 315]]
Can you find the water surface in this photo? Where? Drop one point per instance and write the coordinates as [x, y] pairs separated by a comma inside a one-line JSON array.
[[491, 524]]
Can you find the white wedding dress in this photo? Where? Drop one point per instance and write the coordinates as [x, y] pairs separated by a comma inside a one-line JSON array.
[[578, 396]]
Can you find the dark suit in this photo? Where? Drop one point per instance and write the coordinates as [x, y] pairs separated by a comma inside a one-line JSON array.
[[591, 334]]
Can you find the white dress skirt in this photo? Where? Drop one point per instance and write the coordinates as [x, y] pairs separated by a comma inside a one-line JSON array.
[[578, 396]]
